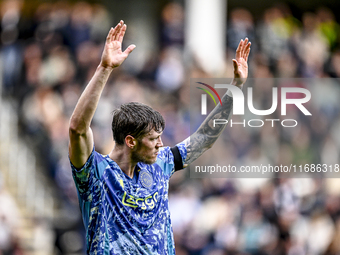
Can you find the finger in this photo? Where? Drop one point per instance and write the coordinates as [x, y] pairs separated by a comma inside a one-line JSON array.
[[113, 32], [238, 50], [246, 50], [122, 33], [130, 49], [121, 24], [109, 35], [235, 65], [244, 46], [116, 30], [247, 54]]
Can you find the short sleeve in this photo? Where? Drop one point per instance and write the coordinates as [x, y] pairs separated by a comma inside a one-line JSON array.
[[87, 176], [182, 149], [167, 158]]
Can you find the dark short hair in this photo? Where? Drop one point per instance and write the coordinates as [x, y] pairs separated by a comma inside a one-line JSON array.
[[135, 119]]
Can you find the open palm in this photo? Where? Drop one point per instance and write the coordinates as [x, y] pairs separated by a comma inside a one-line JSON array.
[[113, 55], [240, 62]]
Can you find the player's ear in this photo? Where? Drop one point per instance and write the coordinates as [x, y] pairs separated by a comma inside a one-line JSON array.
[[130, 141]]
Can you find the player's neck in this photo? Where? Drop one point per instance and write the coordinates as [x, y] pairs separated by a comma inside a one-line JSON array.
[[121, 155]]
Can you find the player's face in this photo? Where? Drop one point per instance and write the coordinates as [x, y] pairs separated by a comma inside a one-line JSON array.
[[148, 147]]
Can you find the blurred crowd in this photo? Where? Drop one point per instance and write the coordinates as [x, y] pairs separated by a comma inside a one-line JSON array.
[[50, 55]]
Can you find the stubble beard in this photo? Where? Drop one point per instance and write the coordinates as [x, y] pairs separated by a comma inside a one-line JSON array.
[[140, 158]]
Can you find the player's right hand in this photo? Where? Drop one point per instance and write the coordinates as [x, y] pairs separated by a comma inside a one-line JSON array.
[[113, 55]]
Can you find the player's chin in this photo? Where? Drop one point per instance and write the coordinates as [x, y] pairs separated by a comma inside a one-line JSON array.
[[151, 160]]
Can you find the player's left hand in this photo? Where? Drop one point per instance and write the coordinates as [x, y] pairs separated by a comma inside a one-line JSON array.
[[240, 62]]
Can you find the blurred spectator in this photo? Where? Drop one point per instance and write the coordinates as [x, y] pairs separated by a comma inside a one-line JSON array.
[[240, 26], [78, 30], [170, 71], [273, 33], [9, 215], [172, 25], [10, 12], [312, 47], [329, 27]]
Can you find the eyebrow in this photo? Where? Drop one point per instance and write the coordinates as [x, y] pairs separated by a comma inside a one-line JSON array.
[[156, 135], [149, 133]]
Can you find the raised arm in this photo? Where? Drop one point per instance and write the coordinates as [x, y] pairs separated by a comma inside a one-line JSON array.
[[81, 137], [207, 134]]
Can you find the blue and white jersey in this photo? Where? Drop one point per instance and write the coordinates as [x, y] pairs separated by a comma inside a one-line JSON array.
[[123, 215]]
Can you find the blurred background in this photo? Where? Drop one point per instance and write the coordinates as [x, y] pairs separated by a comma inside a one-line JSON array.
[[50, 50]]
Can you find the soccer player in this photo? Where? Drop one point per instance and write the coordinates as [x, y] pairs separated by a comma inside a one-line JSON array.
[[123, 196]]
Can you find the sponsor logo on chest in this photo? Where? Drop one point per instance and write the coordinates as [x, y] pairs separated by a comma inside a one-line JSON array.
[[148, 202]]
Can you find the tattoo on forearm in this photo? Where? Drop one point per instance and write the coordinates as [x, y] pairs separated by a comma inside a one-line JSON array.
[[207, 134]]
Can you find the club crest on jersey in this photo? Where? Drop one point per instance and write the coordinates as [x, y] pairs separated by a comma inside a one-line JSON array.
[[146, 179]]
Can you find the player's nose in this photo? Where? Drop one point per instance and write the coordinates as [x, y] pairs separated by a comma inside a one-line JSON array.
[[159, 142]]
